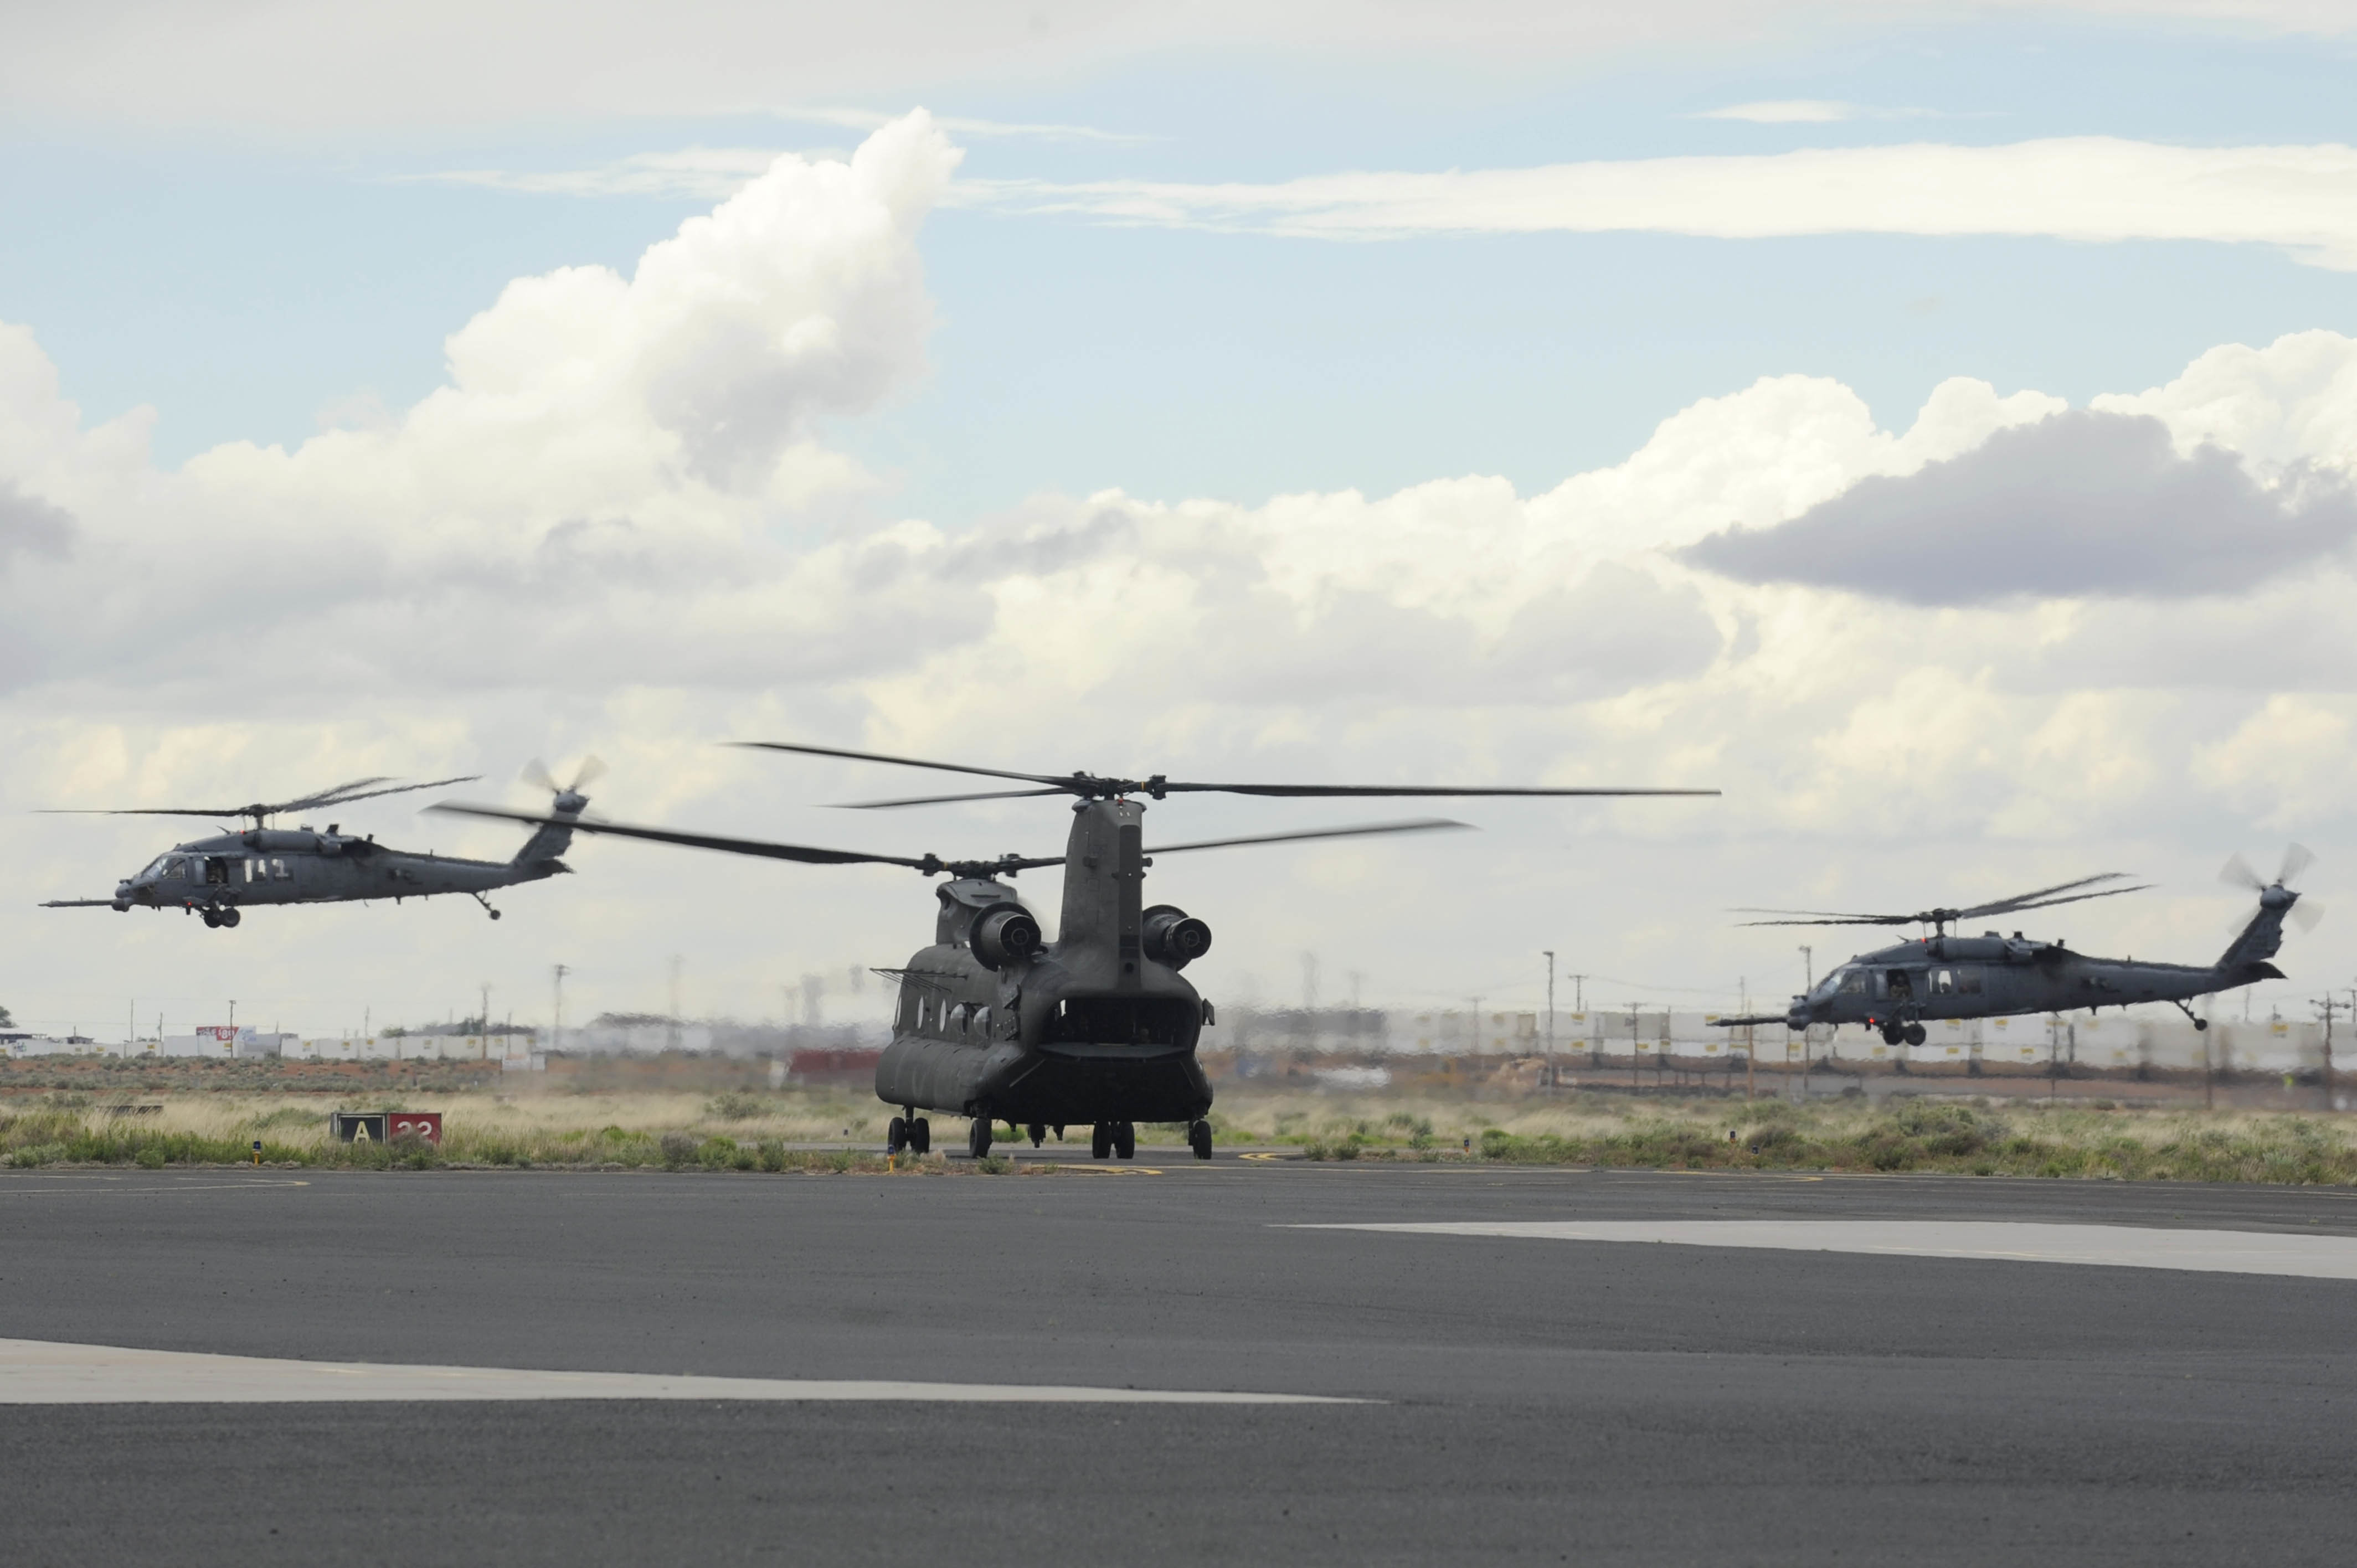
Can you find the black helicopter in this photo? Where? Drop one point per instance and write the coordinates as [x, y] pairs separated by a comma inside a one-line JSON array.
[[1097, 1027], [1894, 990], [219, 877]]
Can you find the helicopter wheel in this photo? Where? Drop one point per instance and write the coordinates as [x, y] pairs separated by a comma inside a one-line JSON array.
[[211, 918], [1892, 1034], [1100, 1141], [1125, 1141], [229, 917], [920, 1136], [977, 1138], [1037, 1132], [495, 914], [1198, 1138], [896, 1135], [1916, 1034]]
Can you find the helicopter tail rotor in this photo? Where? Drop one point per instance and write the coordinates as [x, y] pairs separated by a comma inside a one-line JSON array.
[[591, 769]]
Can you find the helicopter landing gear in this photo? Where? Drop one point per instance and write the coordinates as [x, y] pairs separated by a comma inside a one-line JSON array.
[[219, 917], [1915, 1034], [896, 1135], [1892, 1034], [1036, 1132], [1198, 1138], [486, 903], [1125, 1141], [920, 1136], [977, 1138], [2199, 1023], [1100, 1141]]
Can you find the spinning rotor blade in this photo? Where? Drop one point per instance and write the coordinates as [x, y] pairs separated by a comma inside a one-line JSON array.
[[803, 852], [357, 790], [944, 799], [2237, 873], [2305, 915], [537, 774], [1091, 786], [2296, 859], [592, 768], [764, 848], [896, 762], [2043, 898], [342, 795], [1413, 825], [2045, 895]]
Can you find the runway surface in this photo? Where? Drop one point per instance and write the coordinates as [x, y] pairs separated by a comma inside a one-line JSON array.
[[1555, 1366]]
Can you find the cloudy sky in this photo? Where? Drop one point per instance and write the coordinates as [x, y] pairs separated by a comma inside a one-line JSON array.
[[1932, 425]]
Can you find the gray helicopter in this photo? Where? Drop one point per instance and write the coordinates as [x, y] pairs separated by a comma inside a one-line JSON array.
[[1096, 1027], [219, 877], [1894, 990]]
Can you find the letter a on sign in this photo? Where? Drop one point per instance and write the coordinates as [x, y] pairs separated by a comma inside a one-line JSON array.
[[359, 1134]]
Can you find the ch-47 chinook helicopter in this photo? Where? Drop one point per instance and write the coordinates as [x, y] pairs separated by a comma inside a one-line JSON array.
[[1895, 989], [1098, 1027], [220, 876]]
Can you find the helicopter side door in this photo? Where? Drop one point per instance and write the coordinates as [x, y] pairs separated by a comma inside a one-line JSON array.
[[1954, 991]]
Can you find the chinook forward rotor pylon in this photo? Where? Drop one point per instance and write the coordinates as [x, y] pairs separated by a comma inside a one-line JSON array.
[[221, 876], [1096, 1028], [1896, 990]]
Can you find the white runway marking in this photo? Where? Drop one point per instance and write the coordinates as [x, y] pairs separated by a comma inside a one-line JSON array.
[[40, 1371], [2115, 1246]]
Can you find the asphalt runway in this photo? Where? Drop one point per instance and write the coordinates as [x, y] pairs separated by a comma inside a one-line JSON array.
[[1701, 1385]]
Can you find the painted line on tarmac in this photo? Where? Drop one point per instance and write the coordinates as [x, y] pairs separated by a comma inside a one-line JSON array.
[[41, 1371], [2109, 1246], [131, 1187]]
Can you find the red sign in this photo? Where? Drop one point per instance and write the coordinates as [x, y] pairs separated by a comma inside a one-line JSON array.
[[426, 1125], [226, 1034]]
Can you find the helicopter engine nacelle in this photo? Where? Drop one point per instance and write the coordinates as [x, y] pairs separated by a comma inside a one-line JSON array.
[[1003, 934], [1174, 938]]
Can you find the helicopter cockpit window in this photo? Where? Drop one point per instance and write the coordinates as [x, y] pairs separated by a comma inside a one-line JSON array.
[[1853, 983], [982, 1022], [161, 866], [176, 869]]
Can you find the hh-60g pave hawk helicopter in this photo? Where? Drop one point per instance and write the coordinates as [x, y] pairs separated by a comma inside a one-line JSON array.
[[218, 877], [1895, 989], [1097, 1027]]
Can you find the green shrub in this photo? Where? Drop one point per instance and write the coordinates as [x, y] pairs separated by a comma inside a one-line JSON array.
[[678, 1148]]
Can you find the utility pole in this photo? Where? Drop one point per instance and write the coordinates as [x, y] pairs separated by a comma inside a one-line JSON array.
[[556, 1025], [1579, 995], [1550, 1017], [1750, 1033], [1636, 1023], [2328, 1007], [1808, 984], [483, 1024], [674, 1041]]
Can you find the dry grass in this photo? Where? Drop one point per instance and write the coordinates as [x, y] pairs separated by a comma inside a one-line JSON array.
[[839, 1130]]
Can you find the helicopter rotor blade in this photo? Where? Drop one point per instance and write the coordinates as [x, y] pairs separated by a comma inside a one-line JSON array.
[[895, 761], [2237, 873], [2050, 903], [1091, 786], [537, 774], [592, 768], [338, 797], [1378, 792], [764, 848], [2296, 859], [1413, 825], [340, 794], [2043, 896], [2306, 913], [944, 799]]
